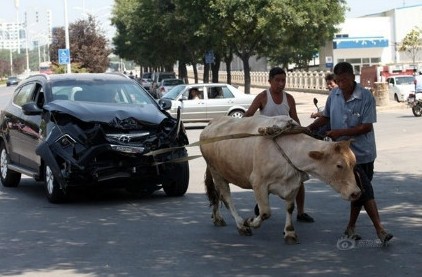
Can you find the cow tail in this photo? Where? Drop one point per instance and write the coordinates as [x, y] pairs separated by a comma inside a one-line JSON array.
[[212, 193]]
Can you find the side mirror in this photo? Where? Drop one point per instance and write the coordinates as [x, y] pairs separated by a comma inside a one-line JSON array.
[[165, 104], [31, 108]]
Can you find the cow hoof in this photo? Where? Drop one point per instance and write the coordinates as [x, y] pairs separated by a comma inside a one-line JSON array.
[[219, 222], [245, 231], [291, 240], [248, 222]]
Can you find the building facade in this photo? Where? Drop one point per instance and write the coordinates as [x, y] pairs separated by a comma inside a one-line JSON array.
[[374, 40]]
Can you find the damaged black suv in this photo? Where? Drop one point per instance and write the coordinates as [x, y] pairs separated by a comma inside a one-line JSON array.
[[90, 130]]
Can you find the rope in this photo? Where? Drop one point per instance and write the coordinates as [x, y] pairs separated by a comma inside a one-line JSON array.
[[272, 132]]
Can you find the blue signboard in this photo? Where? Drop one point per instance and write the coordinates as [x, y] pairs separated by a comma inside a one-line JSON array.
[[64, 56], [352, 43]]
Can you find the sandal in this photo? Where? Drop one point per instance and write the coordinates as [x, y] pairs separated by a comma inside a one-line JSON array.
[[304, 218], [384, 236], [350, 234]]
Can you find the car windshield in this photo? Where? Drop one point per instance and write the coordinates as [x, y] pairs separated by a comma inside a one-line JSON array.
[[100, 91], [174, 92], [405, 80], [172, 82], [12, 78]]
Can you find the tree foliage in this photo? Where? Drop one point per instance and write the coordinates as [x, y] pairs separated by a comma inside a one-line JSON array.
[[88, 46], [412, 43], [157, 33]]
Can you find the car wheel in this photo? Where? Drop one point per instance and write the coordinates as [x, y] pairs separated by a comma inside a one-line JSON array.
[[396, 98], [237, 114], [9, 178], [52, 188], [178, 183]]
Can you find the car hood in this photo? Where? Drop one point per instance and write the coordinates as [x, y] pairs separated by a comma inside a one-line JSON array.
[[105, 112]]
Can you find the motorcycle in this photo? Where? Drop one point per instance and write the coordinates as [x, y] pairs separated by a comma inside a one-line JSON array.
[[415, 102]]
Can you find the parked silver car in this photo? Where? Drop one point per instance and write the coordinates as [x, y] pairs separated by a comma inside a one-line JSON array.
[[214, 100]]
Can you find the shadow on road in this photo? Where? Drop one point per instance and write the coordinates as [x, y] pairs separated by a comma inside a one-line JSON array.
[[117, 234]]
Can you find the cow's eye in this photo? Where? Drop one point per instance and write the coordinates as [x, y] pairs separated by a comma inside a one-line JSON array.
[[339, 166]]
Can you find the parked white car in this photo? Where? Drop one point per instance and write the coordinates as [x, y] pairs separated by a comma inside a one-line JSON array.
[[400, 86]]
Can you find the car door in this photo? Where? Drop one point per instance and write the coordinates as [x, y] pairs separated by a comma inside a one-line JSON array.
[[193, 109], [18, 142], [220, 99], [393, 89], [31, 135]]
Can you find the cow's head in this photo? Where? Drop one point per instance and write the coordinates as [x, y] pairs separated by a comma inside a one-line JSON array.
[[335, 167]]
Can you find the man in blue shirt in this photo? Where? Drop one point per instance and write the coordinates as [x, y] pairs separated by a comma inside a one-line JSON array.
[[351, 111]]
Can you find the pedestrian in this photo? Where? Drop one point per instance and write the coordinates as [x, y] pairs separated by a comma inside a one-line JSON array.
[[351, 111], [273, 102]]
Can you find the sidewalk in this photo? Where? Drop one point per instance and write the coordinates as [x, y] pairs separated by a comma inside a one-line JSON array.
[[305, 104]]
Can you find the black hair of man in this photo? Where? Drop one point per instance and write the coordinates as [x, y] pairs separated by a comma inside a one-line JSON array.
[[275, 71], [329, 77], [343, 67]]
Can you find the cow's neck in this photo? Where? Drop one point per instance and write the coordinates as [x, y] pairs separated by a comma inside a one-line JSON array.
[[297, 150]]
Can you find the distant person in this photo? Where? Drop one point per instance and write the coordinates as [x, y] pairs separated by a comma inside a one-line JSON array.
[[351, 111], [330, 85], [194, 94]]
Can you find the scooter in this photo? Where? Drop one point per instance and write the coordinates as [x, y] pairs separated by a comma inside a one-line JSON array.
[[415, 102]]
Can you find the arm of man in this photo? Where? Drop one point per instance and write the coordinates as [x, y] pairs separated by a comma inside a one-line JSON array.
[[292, 105], [257, 103], [350, 132]]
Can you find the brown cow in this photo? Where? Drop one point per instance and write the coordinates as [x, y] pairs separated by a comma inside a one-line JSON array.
[[268, 165]]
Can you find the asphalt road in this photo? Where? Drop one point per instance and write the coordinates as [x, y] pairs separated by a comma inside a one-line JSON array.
[[116, 234]]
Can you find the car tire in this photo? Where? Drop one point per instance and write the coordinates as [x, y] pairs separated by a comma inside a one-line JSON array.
[[396, 98], [9, 178], [237, 113], [52, 188], [178, 183]]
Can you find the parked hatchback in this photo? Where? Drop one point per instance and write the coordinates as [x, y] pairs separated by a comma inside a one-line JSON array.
[[80, 130], [213, 100]]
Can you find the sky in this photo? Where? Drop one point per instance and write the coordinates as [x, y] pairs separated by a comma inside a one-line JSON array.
[[101, 9]]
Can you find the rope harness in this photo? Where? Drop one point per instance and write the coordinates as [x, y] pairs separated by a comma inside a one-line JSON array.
[[272, 132]]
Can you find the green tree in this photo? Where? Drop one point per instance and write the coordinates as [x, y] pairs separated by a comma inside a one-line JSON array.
[[89, 49], [160, 32], [412, 43]]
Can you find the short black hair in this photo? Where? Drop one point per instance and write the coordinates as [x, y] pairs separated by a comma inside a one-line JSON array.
[[329, 77], [343, 67], [275, 71]]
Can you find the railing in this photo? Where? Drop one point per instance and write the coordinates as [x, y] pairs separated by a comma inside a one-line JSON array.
[[305, 81]]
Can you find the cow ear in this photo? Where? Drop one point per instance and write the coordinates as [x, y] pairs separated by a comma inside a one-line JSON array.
[[316, 155], [342, 145]]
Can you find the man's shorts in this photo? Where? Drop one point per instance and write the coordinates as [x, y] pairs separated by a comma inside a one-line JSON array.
[[363, 176]]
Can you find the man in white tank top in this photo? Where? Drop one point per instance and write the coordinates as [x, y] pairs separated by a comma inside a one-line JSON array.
[[272, 102]]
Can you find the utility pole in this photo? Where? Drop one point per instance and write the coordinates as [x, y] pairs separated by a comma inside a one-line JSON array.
[[66, 28], [18, 25]]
